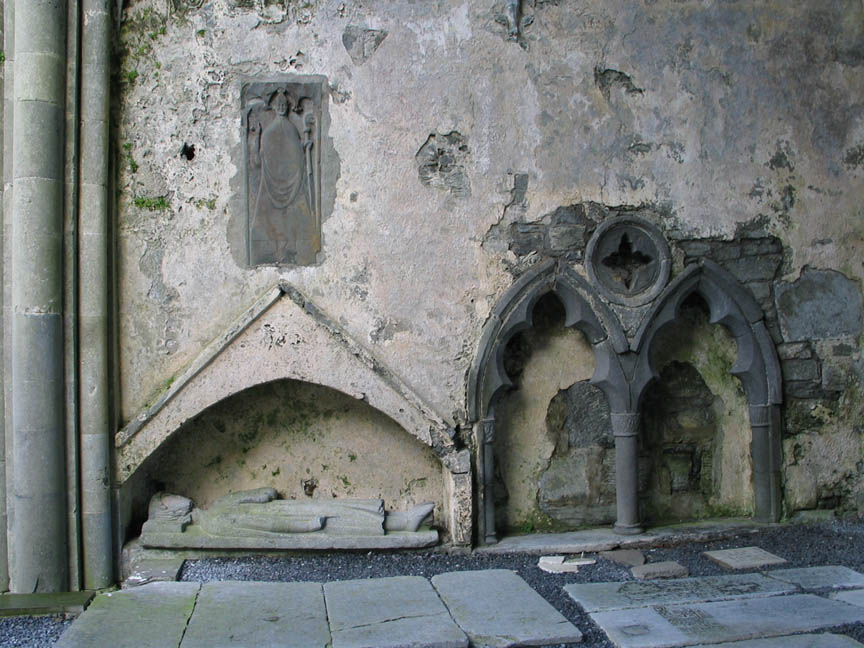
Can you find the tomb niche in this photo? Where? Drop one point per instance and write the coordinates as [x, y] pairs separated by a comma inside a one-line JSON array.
[[316, 456]]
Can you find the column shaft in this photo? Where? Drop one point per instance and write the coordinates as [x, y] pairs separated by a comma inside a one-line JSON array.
[[625, 427], [38, 529], [94, 286]]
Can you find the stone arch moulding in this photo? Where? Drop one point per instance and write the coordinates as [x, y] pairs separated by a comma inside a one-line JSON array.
[[623, 370], [285, 336], [487, 379], [756, 365]]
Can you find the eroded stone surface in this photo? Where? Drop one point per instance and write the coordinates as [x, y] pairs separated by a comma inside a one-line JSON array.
[[853, 597], [824, 640], [628, 557], [496, 607], [403, 611], [150, 616], [596, 597], [681, 625], [744, 558], [264, 615], [665, 569], [834, 576], [819, 304]]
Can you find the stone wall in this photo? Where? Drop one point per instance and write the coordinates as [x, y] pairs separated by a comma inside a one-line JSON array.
[[457, 157]]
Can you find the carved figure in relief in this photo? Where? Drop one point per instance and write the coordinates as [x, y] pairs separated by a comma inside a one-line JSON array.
[[260, 514], [283, 227]]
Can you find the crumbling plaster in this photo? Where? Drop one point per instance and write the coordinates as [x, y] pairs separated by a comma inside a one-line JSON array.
[[716, 115]]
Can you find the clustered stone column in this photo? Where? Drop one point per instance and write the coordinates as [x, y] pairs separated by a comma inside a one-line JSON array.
[[58, 477]]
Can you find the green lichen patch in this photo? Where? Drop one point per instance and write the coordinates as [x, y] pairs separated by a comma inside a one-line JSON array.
[[151, 203]]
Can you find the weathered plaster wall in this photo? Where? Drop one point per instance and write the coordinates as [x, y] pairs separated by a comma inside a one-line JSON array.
[[524, 442], [445, 134], [304, 440]]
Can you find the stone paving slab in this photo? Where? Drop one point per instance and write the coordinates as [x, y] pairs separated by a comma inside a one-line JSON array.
[[665, 569], [744, 558], [54, 603], [824, 640], [852, 597], [833, 576], [398, 612], [598, 597], [265, 615], [150, 616], [663, 626], [627, 557], [593, 540], [153, 570], [496, 608]]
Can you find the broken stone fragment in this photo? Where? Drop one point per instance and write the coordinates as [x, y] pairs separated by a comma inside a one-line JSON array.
[[666, 569], [627, 557]]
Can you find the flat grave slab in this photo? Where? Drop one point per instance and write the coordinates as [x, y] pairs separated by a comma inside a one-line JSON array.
[[495, 607], [744, 558], [852, 597], [819, 577], [824, 640], [663, 626], [597, 597], [264, 615], [403, 612], [150, 616]]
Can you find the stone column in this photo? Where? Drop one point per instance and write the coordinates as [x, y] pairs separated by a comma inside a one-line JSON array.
[[625, 427], [765, 453], [38, 528], [93, 291], [485, 433]]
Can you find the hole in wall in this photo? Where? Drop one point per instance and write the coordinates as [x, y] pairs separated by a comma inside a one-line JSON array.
[[187, 152]]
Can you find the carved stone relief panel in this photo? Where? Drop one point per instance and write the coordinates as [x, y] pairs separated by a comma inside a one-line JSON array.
[[282, 131], [628, 260]]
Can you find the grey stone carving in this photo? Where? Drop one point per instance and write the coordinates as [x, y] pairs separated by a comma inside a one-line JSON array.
[[282, 122], [634, 275], [628, 260], [515, 21], [258, 519], [361, 43]]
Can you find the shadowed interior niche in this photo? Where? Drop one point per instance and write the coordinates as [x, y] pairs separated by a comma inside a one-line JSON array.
[[694, 453], [553, 445], [306, 441]]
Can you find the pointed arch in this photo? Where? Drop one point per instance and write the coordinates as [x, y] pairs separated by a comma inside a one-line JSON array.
[[487, 379], [756, 365]]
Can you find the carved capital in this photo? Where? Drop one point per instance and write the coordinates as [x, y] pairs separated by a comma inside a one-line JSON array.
[[487, 429], [760, 415], [626, 424]]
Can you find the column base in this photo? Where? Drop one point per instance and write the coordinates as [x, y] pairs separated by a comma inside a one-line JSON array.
[[490, 539], [628, 529]]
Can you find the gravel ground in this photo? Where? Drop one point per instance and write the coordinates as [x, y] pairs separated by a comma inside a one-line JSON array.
[[835, 543], [32, 632]]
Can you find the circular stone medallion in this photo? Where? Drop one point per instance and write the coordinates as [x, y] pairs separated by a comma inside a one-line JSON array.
[[628, 260]]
